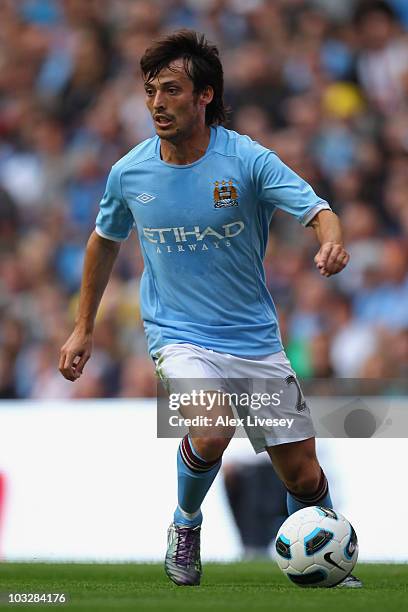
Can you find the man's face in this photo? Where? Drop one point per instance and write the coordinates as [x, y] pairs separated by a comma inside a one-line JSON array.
[[175, 108]]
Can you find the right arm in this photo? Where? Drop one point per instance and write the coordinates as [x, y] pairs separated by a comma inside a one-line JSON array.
[[100, 256]]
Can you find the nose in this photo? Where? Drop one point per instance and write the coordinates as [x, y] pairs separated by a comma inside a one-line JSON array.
[[158, 101]]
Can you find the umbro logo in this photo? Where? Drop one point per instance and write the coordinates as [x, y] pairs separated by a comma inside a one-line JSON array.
[[145, 198]]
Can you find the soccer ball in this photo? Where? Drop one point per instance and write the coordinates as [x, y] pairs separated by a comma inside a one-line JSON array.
[[316, 547]]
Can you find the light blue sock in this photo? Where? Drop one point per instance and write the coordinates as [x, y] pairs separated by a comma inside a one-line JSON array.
[[195, 477], [320, 498]]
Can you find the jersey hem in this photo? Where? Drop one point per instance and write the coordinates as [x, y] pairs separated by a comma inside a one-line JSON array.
[[275, 348], [312, 212], [109, 236]]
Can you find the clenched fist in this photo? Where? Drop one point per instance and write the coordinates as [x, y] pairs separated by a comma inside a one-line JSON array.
[[331, 258]]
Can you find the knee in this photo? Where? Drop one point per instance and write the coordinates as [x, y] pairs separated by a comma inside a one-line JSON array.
[[210, 448]]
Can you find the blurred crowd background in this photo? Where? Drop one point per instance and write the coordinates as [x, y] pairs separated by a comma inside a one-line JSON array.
[[322, 82]]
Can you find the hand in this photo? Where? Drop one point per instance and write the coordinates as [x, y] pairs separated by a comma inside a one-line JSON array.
[[331, 259], [74, 354]]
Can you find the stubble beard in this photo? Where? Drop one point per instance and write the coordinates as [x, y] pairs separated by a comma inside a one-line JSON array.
[[178, 135], [181, 134]]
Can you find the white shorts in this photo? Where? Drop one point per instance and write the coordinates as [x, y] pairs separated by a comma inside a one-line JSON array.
[[182, 366]]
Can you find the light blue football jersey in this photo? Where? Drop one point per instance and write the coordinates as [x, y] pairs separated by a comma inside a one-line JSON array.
[[203, 230]]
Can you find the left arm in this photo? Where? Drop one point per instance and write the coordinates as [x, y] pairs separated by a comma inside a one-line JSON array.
[[276, 185], [331, 257]]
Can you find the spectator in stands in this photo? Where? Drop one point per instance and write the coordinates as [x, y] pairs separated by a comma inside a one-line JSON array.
[[324, 83]]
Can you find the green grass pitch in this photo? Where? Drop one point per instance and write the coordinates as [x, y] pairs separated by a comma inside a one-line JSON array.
[[236, 587]]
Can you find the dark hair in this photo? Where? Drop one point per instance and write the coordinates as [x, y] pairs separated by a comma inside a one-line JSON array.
[[367, 7], [201, 63]]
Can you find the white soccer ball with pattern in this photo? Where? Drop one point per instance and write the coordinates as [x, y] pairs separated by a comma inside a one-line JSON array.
[[316, 547]]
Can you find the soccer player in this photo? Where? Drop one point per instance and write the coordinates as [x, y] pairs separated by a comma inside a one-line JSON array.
[[201, 198]]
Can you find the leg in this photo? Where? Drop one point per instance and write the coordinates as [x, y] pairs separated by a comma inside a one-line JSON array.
[[198, 463], [196, 473], [186, 369], [298, 467]]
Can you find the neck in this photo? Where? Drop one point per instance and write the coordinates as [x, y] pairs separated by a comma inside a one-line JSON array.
[[186, 151]]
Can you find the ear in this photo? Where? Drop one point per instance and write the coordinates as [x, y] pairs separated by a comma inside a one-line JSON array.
[[206, 96]]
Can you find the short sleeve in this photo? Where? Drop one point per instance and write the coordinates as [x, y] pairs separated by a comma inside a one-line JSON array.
[[114, 220], [279, 186]]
